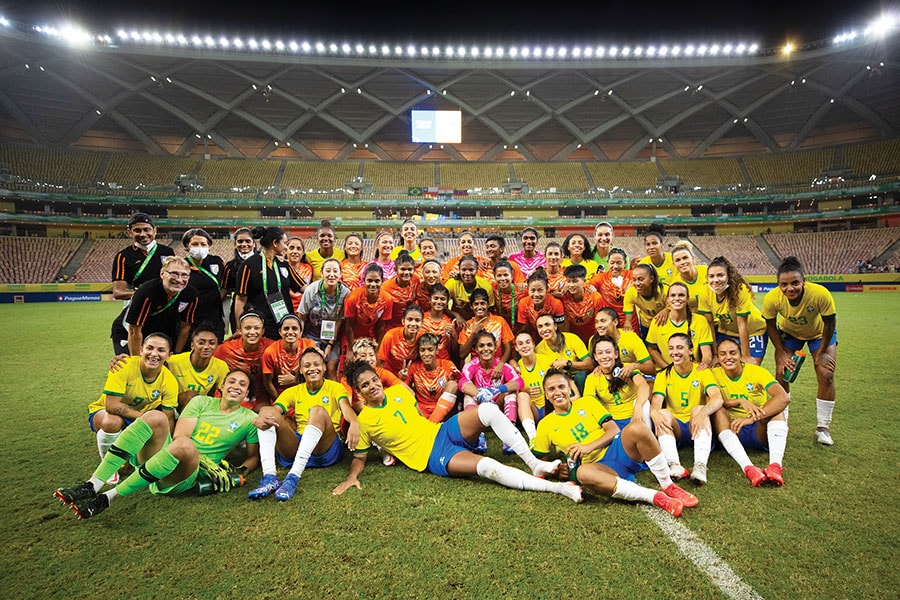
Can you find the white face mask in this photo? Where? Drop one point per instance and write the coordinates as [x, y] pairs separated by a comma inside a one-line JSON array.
[[245, 255], [146, 248], [198, 253]]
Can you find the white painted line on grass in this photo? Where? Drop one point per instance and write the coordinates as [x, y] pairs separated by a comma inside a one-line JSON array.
[[702, 555]]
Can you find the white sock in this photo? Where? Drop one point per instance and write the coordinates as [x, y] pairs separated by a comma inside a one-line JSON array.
[[530, 429], [734, 448], [510, 477], [267, 438], [629, 490], [659, 466], [787, 407], [777, 432], [702, 446], [308, 442], [492, 417], [111, 494], [469, 402], [105, 440], [824, 408], [669, 448], [98, 484]]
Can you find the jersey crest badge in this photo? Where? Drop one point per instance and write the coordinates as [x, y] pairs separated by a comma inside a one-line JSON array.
[[155, 394], [326, 400], [209, 378], [398, 399], [582, 413], [233, 426], [809, 309], [214, 269], [750, 387], [182, 306], [695, 383], [284, 271]]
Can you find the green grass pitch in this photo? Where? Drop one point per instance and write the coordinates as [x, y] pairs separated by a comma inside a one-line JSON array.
[[830, 532]]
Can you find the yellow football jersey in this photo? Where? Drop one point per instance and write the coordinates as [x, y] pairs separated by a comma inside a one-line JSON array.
[[682, 393], [534, 377], [752, 385], [698, 330], [583, 424], [302, 400], [803, 321], [204, 382], [129, 384], [619, 404]]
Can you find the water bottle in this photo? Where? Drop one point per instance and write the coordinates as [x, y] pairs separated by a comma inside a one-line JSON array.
[[790, 375], [205, 485]]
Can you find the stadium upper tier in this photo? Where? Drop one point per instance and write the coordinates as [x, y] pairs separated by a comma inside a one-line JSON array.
[[28, 167], [40, 260], [151, 93]]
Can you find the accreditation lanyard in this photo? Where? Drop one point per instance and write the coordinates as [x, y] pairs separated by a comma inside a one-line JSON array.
[[337, 295], [265, 280], [512, 303], [328, 330], [207, 273], [168, 304], [146, 262]]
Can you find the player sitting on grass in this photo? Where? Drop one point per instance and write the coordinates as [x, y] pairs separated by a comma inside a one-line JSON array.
[[316, 404], [753, 416], [208, 429], [391, 419], [600, 456]]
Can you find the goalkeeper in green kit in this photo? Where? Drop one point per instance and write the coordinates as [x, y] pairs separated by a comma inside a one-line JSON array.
[[207, 430]]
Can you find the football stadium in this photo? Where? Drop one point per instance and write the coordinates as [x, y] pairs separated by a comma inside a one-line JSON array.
[[353, 318]]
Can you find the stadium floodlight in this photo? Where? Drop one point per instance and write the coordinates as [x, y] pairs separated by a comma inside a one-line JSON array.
[[727, 48], [499, 52], [714, 50], [196, 40], [639, 51], [550, 52], [279, 45], [663, 51], [345, 48], [753, 48], [626, 51], [461, 51], [787, 48], [588, 52], [576, 52], [689, 50], [170, 38], [223, 42], [359, 90], [238, 43], [398, 50], [98, 112], [526, 52], [514, 52], [435, 51], [601, 51], [740, 48], [881, 26], [136, 36], [512, 93], [613, 51], [474, 51], [701, 50], [4, 21], [182, 40], [320, 47], [122, 34], [210, 41], [306, 46], [687, 87], [488, 52], [267, 45], [538, 52], [360, 49], [651, 51], [157, 37], [562, 52], [735, 121]]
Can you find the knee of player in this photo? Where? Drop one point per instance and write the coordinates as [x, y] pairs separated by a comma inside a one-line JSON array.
[[318, 416], [108, 423], [183, 449], [452, 387], [156, 420]]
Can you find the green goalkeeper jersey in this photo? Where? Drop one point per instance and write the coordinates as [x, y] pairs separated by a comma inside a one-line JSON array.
[[216, 433]]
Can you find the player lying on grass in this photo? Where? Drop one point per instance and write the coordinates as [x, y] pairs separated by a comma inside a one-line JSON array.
[[208, 429], [391, 419], [600, 457], [316, 405], [684, 399], [753, 416]]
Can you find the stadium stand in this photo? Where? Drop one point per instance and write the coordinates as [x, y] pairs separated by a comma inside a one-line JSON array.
[[471, 176], [230, 174], [128, 170], [43, 166], [792, 168], [563, 177], [397, 177], [833, 251], [741, 250], [707, 173], [34, 260], [317, 176], [97, 265], [635, 176], [875, 158]]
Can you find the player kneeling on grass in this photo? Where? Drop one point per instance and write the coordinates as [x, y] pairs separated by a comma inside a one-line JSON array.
[[754, 418], [208, 429], [600, 456], [317, 409], [391, 419], [683, 401]]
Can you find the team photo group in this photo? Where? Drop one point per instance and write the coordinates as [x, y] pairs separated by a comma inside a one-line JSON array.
[[585, 363]]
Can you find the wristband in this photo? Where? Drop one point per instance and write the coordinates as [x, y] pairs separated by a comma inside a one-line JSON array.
[[503, 389]]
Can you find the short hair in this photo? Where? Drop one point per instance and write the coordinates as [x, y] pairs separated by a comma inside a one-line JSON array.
[[579, 271], [178, 260], [196, 231], [496, 238]]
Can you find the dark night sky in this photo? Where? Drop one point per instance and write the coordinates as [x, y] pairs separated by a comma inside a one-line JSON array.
[[650, 21]]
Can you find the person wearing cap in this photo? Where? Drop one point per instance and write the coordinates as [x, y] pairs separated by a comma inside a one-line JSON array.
[[207, 277], [165, 305], [138, 263], [528, 259]]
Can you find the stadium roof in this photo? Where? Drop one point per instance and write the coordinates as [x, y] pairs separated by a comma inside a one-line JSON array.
[[587, 104]]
